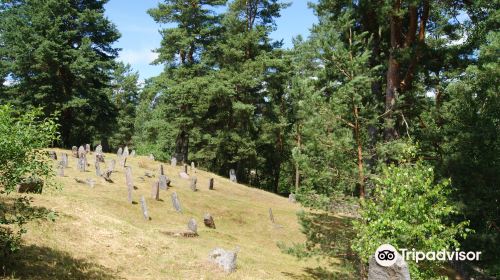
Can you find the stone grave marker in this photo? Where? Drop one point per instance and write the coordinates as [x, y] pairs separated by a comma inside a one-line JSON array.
[[119, 153], [130, 183], [271, 216], [155, 191], [112, 165], [163, 182], [173, 161], [232, 176], [98, 149], [124, 162], [90, 182], [144, 208], [175, 202], [192, 226], [193, 167], [81, 151], [291, 198], [60, 169], [125, 152], [87, 148], [162, 172], [97, 168], [192, 185], [185, 168], [53, 155], [132, 154], [64, 160], [224, 259], [208, 220], [151, 157], [211, 184], [184, 175], [74, 151], [81, 165]]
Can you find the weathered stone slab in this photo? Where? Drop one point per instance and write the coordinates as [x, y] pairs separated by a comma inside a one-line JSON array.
[[81, 152], [192, 226], [81, 164], [193, 167], [64, 160], [97, 168], [60, 169], [119, 153], [74, 151], [151, 157], [126, 153], [87, 148], [224, 259], [155, 191], [124, 162], [98, 149], [162, 172], [132, 154], [291, 198], [208, 220], [398, 271], [232, 176], [185, 168], [176, 203], [111, 166], [192, 184], [130, 183], [173, 161], [211, 184], [184, 175], [144, 208], [53, 155], [271, 216], [164, 182]]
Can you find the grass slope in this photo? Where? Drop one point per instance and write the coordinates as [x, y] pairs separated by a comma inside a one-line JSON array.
[[99, 235]]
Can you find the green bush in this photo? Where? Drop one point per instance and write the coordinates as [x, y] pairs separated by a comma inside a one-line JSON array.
[[22, 136], [409, 210]]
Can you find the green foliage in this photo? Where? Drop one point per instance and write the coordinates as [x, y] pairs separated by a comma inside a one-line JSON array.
[[409, 210], [21, 138], [58, 56]]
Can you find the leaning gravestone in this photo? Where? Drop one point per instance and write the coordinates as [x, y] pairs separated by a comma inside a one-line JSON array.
[[192, 226], [224, 259], [74, 151], [176, 203], [155, 191], [112, 165], [144, 208], [208, 220], [232, 176], [211, 184], [173, 161], [398, 271], [192, 185], [130, 183]]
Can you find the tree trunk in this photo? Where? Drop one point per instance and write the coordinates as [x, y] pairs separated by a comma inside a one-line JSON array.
[[297, 170]]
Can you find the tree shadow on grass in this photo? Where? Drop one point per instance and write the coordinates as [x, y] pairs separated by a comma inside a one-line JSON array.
[[328, 237], [34, 262]]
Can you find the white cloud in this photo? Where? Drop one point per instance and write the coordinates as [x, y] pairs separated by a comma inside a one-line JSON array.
[[143, 56]]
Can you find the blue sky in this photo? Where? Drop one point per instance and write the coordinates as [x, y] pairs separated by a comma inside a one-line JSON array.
[[140, 33]]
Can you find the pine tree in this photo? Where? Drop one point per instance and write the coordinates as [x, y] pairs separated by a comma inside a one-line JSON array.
[[58, 55]]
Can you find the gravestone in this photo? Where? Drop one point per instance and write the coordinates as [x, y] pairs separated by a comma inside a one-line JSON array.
[[291, 198], [99, 158], [151, 157], [112, 165], [224, 259], [125, 152], [98, 149], [397, 271], [64, 160], [155, 191], [173, 161], [60, 169], [271, 216], [87, 148], [232, 176], [74, 151], [192, 226], [184, 175], [193, 184], [53, 155], [120, 152], [107, 176], [90, 182], [176, 203], [211, 184], [185, 168], [124, 162], [193, 167], [163, 182], [144, 208], [97, 168], [132, 154], [81, 164], [208, 220], [81, 151], [130, 183], [162, 172]]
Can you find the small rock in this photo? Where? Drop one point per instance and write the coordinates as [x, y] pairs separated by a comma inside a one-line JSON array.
[[224, 259], [208, 220]]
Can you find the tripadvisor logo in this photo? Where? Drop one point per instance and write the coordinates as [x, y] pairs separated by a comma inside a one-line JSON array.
[[386, 255]]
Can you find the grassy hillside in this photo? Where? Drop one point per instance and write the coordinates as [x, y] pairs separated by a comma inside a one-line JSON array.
[[99, 235]]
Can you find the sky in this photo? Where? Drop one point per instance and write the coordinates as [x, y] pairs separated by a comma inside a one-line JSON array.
[[140, 33]]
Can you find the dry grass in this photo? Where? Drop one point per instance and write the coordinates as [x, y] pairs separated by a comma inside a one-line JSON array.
[[99, 235]]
